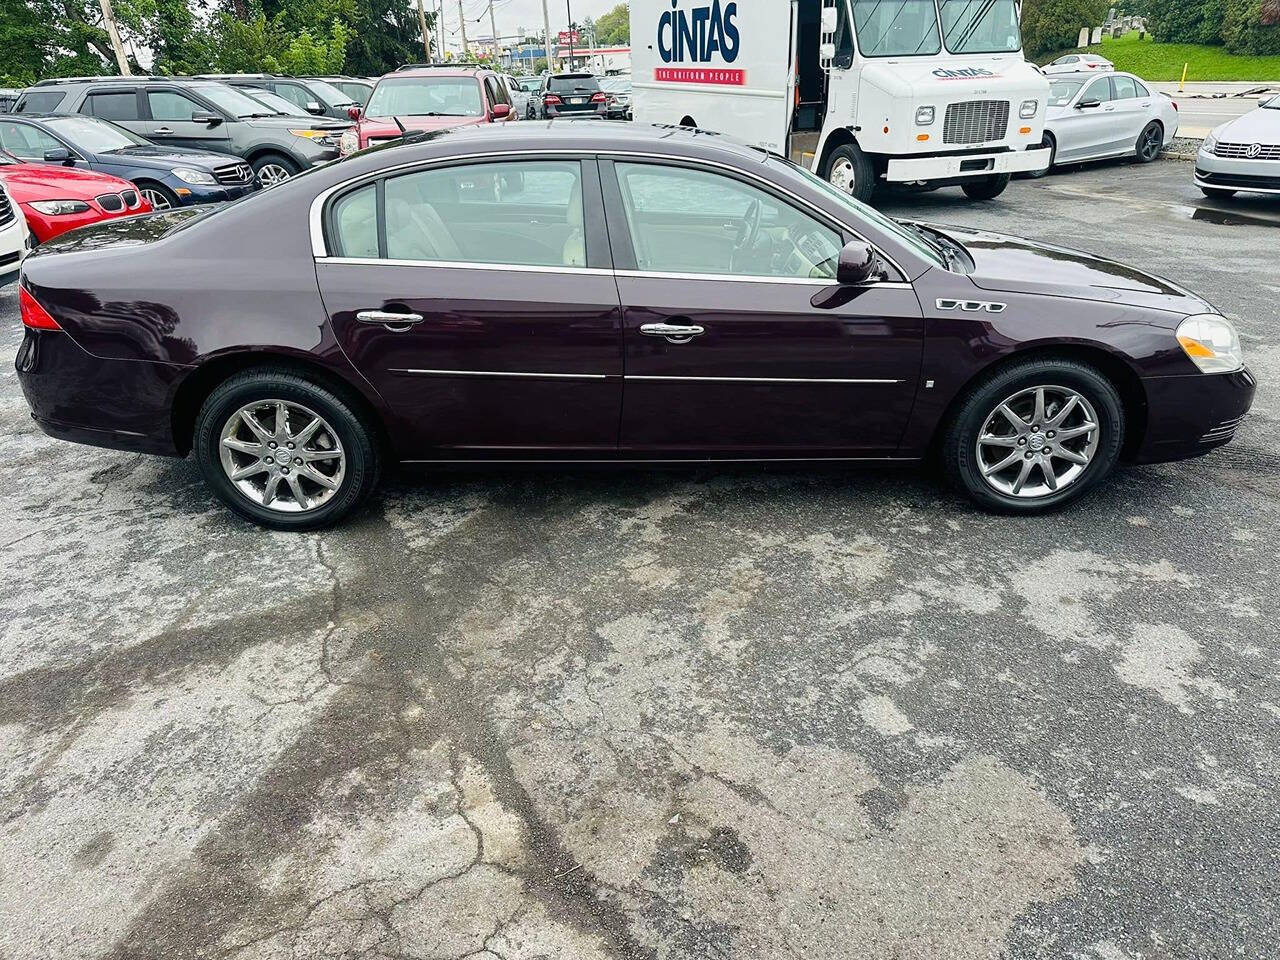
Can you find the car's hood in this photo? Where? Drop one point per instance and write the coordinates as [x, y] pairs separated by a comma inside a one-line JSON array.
[[386, 126], [1015, 265], [155, 156], [45, 181], [1257, 126]]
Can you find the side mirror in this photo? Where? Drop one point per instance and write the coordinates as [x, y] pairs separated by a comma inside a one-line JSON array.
[[353, 113], [212, 119], [501, 111], [1088, 104], [858, 264], [313, 106], [57, 155]]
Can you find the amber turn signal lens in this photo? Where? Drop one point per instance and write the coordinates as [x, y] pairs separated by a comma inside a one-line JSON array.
[[922, 137], [1024, 130], [1195, 348]]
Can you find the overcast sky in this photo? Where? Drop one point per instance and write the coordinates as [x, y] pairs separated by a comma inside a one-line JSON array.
[[512, 14]]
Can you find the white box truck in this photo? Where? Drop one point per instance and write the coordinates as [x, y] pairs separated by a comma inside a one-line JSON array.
[[922, 93]]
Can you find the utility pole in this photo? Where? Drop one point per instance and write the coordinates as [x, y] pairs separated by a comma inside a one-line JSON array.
[[462, 19], [546, 39], [493, 28], [426, 37], [568, 9], [109, 19], [440, 40]]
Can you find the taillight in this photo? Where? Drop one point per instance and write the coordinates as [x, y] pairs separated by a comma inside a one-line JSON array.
[[34, 315], [597, 98], [551, 100]]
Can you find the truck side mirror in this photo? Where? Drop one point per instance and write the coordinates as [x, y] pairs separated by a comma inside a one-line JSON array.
[[353, 112], [829, 19], [858, 264]]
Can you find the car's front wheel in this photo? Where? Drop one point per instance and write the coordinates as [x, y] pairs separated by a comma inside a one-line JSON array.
[[987, 188], [159, 196], [1035, 435], [285, 451], [274, 168]]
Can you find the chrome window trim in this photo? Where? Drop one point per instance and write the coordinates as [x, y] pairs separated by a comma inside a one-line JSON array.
[[468, 265], [761, 379], [316, 216]]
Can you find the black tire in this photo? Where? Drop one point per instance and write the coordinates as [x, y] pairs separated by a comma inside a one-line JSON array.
[[1213, 193], [987, 188], [959, 454], [277, 167], [160, 196], [848, 159], [363, 463], [1150, 142], [1052, 144]]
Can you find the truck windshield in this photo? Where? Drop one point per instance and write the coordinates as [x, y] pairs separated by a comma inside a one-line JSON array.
[[980, 26], [897, 28]]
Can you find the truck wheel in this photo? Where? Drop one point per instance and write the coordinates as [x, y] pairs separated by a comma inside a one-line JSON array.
[[848, 169], [988, 188]]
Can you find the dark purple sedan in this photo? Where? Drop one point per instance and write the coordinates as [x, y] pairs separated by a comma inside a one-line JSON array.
[[592, 293]]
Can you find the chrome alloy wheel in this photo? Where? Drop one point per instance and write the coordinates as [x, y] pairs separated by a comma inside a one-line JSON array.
[[282, 456], [157, 199], [843, 176], [1037, 442], [272, 174]]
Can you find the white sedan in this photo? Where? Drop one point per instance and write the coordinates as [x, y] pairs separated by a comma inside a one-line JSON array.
[[1115, 115], [1243, 154], [1078, 63]]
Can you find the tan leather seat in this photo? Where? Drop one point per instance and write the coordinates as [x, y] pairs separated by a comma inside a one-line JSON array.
[[416, 232]]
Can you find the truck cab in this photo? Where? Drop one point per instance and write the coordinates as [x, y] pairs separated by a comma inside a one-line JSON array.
[[918, 93]]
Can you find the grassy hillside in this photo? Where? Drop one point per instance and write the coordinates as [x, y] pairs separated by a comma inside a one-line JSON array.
[[1163, 61]]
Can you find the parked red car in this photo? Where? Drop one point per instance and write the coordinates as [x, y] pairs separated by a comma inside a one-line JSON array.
[[428, 98], [55, 199]]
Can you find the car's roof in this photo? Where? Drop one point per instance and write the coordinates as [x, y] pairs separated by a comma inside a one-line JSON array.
[[438, 72]]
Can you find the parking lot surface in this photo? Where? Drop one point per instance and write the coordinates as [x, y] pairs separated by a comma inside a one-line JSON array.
[[795, 714]]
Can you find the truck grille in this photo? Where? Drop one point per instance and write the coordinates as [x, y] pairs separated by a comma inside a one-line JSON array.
[[6, 210], [234, 173], [111, 202], [1240, 151], [976, 121]]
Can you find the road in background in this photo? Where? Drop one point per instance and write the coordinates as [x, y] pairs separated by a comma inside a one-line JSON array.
[[1200, 110]]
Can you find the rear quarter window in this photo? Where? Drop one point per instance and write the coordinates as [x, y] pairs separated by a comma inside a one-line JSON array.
[[40, 101]]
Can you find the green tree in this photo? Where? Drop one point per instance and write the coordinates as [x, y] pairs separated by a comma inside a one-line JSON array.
[[613, 29], [1049, 25]]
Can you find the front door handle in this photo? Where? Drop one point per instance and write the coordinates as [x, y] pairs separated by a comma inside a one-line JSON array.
[[673, 332], [395, 322], [163, 131]]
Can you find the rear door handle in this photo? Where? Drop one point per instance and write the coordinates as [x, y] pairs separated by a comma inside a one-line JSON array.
[[396, 322], [162, 130], [673, 332]]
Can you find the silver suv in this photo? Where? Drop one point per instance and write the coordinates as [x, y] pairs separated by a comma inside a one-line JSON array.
[[201, 114]]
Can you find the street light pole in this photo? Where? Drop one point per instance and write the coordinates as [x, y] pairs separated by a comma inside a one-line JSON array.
[[493, 28], [462, 19]]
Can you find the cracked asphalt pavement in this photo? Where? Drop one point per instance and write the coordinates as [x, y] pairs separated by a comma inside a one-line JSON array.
[[789, 714]]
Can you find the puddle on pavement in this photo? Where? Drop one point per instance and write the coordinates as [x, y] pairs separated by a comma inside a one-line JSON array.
[[1228, 217]]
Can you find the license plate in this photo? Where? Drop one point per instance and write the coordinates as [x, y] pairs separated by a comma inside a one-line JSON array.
[[577, 99]]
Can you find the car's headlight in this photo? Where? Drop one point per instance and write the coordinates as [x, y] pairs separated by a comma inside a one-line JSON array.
[[1211, 342], [349, 142], [1028, 109], [199, 177], [59, 208], [924, 116], [1210, 143]]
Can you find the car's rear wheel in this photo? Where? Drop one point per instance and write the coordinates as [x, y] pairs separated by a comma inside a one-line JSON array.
[[1214, 193], [850, 170], [987, 188], [160, 197], [1035, 435], [284, 451], [1150, 143], [274, 168]]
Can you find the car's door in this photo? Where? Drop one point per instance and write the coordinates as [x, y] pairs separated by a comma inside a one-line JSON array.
[[477, 297], [739, 342], [1087, 131], [171, 122], [1131, 112]]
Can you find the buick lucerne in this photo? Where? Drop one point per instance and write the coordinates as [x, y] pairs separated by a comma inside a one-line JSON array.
[[606, 293]]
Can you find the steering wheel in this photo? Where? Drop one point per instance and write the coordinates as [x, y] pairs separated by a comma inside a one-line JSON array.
[[751, 221]]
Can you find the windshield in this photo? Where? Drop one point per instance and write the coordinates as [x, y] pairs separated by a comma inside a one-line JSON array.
[[93, 135], [1061, 92], [275, 102], [231, 100], [865, 214], [896, 28], [330, 94], [426, 97], [980, 26]]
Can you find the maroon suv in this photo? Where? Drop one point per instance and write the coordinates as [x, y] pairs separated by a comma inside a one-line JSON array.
[[428, 98]]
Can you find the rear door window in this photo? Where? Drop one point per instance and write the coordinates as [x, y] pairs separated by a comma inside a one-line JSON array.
[[112, 105], [1124, 88]]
